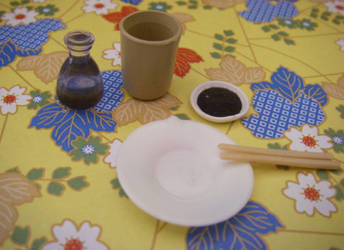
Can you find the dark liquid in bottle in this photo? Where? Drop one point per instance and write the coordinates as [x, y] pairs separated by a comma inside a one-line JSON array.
[[80, 84]]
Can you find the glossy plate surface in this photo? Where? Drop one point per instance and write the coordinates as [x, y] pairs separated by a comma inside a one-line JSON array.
[[172, 170]]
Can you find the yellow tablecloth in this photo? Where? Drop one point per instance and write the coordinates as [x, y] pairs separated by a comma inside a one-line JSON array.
[[58, 183]]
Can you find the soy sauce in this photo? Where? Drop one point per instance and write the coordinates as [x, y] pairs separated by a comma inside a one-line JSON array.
[[219, 102], [79, 85]]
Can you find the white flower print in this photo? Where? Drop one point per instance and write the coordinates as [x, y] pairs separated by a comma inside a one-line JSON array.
[[310, 194], [68, 237], [99, 6], [88, 149], [340, 42], [10, 99], [336, 6], [19, 15], [112, 157], [114, 54], [308, 139], [38, 1]]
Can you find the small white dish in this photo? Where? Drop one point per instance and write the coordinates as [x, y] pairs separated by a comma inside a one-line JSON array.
[[172, 170], [220, 84]]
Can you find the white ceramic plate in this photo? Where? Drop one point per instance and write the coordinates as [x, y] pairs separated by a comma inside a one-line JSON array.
[[172, 170], [220, 84]]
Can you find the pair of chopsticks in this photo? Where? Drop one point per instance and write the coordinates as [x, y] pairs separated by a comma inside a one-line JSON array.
[[276, 156]]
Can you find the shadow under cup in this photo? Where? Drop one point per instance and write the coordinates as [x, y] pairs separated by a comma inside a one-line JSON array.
[[149, 43]]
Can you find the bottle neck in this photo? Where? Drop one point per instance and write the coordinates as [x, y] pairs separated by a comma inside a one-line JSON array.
[[79, 56], [79, 44], [76, 53]]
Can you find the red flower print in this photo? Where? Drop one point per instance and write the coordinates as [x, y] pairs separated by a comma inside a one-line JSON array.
[[116, 17], [9, 99], [312, 194], [309, 141], [183, 60], [73, 244], [20, 16], [99, 6], [339, 7]]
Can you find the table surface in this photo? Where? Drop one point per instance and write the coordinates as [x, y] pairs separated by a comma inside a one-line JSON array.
[[58, 183]]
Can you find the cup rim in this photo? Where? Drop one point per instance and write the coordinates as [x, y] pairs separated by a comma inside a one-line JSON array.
[[175, 37]]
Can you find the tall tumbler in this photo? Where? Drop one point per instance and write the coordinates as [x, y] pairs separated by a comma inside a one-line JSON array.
[[149, 43]]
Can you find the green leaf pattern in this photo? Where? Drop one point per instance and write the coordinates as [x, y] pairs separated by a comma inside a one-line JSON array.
[[224, 44], [20, 235]]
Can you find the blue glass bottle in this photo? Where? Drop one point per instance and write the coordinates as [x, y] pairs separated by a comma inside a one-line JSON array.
[[79, 84]]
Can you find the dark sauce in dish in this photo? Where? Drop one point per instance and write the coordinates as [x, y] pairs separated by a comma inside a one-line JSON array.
[[219, 102]]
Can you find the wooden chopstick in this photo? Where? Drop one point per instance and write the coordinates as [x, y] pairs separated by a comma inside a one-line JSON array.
[[276, 152], [282, 157]]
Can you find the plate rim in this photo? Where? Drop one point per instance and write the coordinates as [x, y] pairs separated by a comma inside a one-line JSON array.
[[205, 222]]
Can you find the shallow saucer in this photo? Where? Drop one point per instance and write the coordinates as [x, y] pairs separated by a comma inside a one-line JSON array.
[[220, 84], [172, 170]]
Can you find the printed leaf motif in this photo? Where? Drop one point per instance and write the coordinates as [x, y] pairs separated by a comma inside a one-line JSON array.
[[339, 193], [27, 63], [335, 90], [322, 174], [38, 243], [340, 108], [61, 173], [13, 170], [8, 217], [261, 86], [126, 112], [182, 116], [234, 71], [183, 18], [183, 59], [20, 235], [316, 92], [291, 86], [116, 185], [337, 137], [338, 172], [73, 125], [16, 189], [9, 51], [35, 174], [45, 67], [69, 123], [78, 183], [287, 83], [181, 68], [168, 101], [145, 112], [151, 113], [116, 17], [215, 55], [240, 232], [48, 116], [99, 121], [55, 188]]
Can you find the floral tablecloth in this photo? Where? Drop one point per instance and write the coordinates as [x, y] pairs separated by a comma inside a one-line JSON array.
[[58, 183]]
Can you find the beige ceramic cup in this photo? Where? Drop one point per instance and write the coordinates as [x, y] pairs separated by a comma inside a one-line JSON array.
[[149, 43]]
